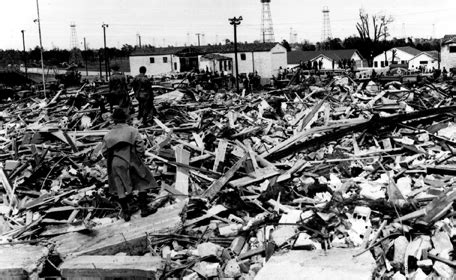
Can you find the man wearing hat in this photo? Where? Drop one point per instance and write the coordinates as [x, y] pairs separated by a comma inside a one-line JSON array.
[[123, 148], [118, 92]]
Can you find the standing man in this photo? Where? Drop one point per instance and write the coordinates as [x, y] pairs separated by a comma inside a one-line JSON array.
[[118, 92], [143, 92], [123, 148]]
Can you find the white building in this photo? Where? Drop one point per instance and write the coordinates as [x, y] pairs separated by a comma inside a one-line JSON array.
[[331, 59], [448, 52], [399, 55], [264, 58], [426, 60]]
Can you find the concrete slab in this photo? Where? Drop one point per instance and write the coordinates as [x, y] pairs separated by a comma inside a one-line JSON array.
[[337, 264], [19, 262]]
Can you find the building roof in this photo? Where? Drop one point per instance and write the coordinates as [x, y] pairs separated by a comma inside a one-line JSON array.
[[215, 56], [409, 50], [228, 48], [448, 39], [431, 54], [295, 57]]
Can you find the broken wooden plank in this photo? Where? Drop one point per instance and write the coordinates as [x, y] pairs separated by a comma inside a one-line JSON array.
[[220, 154], [113, 266], [215, 187], [260, 175], [120, 235], [7, 186], [182, 156], [252, 155]]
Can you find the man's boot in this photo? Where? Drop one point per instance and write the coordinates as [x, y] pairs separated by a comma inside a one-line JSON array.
[[143, 204], [126, 213]]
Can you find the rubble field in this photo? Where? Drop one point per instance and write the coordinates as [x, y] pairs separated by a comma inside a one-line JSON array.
[[322, 165]]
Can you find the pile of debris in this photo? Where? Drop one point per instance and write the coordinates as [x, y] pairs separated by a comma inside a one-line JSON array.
[[313, 166]]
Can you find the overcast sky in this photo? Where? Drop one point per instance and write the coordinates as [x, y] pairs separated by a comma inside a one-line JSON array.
[[170, 22]]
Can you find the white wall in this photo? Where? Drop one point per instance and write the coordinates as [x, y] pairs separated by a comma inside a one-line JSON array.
[[279, 59], [156, 68], [448, 60], [414, 63], [327, 63], [399, 57], [358, 60]]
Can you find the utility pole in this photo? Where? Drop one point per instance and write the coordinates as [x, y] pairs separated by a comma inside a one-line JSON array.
[[25, 54], [85, 57], [235, 22], [41, 47], [198, 34], [105, 50]]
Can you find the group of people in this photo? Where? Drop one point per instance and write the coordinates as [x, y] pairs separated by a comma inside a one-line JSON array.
[[123, 146], [142, 88], [214, 80]]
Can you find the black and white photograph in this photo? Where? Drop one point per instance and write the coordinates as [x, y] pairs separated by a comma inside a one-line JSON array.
[[227, 139]]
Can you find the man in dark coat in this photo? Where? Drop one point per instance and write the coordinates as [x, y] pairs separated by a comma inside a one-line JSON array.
[[118, 92], [143, 92], [123, 148]]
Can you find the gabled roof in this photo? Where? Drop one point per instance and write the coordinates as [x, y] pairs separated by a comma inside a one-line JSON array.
[[229, 48], [430, 54], [409, 50], [448, 39], [295, 57]]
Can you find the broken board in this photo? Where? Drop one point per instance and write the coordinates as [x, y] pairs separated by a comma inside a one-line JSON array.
[[120, 236], [112, 266]]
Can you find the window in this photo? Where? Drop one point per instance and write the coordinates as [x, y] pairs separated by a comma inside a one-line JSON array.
[[175, 65], [243, 57], [452, 49], [386, 63], [152, 60], [165, 59], [382, 64], [423, 62], [375, 64]]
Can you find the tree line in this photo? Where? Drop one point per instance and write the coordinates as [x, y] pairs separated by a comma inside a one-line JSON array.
[[59, 57]]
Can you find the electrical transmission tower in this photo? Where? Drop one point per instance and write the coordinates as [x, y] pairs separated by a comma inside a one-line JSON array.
[[76, 55], [267, 31], [326, 31]]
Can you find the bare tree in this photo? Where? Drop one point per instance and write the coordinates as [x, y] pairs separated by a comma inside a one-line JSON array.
[[373, 27]]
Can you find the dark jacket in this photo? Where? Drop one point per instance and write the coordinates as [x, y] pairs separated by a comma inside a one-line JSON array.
[[142, 87], [122, 148], [118, 92]]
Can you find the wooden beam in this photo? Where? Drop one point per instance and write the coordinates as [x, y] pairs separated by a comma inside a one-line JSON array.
[[113, 266], [260, 175], [252, 155], [220, 154], [182, 156], [215, 187]]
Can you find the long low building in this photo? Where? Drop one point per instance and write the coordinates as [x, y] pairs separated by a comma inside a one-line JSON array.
[[329, 59], [263, 58]]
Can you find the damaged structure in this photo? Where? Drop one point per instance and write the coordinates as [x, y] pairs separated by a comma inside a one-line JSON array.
[[321, 170], [265, 59]]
